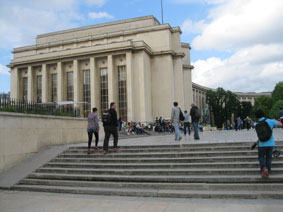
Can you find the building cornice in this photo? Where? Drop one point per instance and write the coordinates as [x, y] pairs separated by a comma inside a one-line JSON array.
[[186, 66], [91, 50], [186, 45]]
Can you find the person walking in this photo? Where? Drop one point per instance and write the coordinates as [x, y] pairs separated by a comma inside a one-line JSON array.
[[195, 115], [93, 128], [266, 141], [110, 124], [187, 123], [281, 116], [175, 118]]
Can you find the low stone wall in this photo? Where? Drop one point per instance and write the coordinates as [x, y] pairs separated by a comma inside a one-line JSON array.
[[22, 135]]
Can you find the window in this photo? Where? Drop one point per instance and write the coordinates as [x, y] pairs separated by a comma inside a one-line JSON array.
[[70, 87], [25, 89], [86, 91], [122, 88], [53, 87], [39, 89], [70, 90], [103, 90]]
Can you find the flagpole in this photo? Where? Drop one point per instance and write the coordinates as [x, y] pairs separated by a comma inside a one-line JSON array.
[[162, 11]]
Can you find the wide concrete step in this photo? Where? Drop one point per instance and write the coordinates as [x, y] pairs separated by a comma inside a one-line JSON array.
[[195, 159], [182, 144], [172, 149], [161, 179], [159, 186], [223, 165], [166, 172], [156, 193], [160, 155]]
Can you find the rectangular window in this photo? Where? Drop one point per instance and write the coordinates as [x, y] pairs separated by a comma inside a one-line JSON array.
[[86, 91], [70, 90], [53, 87], [122, 88], [25, 89], [39, 89], [103, 90], [70, 87]]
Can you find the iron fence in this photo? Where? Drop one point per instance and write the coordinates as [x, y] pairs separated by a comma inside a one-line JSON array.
[[30, 107]]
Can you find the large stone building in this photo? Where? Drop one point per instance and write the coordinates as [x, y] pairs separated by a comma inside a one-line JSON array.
[[138, 63]]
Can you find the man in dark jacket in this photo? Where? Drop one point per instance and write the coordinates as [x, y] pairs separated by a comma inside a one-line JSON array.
[[281, 116], [195, 120], [110, 127]]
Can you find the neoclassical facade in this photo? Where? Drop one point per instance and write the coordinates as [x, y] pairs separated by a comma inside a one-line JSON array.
[[138, 63]]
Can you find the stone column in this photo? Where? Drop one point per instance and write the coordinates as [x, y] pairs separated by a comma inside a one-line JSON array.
[[129, 68], [30, 84], [94, 85], [179, 82], [15, 85], [77, 90], [110, 79], [60, 86], [44, 84]]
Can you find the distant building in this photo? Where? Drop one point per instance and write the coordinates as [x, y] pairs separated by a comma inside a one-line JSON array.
[[199, 96], [138, 63]]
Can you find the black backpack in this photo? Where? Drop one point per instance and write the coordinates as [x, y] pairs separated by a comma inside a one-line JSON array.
[[181, 116], [197, 114], [106, 117], [263, 131]]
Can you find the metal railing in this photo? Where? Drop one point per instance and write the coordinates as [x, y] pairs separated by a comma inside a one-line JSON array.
[[30, 107]]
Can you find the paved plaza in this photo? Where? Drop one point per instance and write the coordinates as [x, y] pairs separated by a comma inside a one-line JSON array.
[[32, 201]]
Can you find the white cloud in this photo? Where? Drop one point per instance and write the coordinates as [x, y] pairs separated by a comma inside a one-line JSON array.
[[21, 21], [4, 70], [189, 27], [236, 24], [100, 15], [246, 70]]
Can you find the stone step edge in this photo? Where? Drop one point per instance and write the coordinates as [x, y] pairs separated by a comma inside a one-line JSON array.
[[156, 193], [161, 186]]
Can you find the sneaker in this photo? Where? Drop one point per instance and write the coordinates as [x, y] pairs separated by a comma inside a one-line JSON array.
[[180, 139], [115, 149], [88, 152], [264, 173], [104, 152]]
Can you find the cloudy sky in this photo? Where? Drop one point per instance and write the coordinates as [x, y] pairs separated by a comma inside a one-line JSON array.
[[236, 44]]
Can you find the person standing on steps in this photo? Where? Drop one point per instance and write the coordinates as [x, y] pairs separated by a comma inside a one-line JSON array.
[[281, 116], [266, 142], [93, 128], [175, 118], [110, 124], [187, 123], [195, 114]]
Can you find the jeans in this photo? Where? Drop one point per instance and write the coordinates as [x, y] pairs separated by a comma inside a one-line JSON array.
[[195, 125], [187, 125], [265, 157], [110, 130], [177, 130], [90, 134]]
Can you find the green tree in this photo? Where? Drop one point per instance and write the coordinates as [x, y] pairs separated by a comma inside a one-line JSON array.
[[222, 104], [244, 110], [275, 109], [277, 93], [263, 103]]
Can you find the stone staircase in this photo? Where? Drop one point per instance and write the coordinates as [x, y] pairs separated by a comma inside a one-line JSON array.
[[217, 170]]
